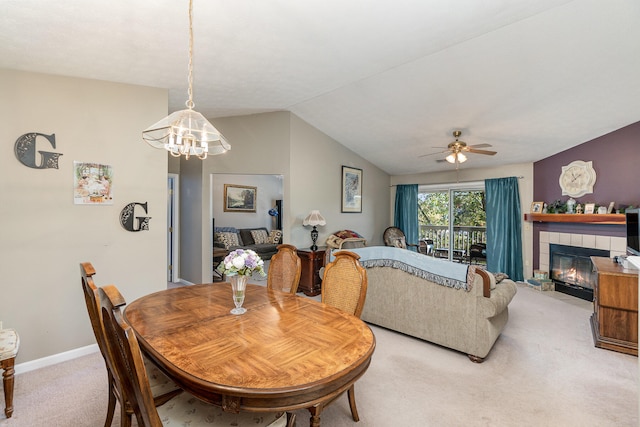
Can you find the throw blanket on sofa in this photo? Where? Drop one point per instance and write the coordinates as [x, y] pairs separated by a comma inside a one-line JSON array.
[[443, 272]]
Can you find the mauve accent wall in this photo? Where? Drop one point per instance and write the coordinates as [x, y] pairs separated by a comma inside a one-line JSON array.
[[616, 160]]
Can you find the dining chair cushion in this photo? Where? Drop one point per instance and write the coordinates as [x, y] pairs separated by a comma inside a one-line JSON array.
[[185, 410], [9, 343]]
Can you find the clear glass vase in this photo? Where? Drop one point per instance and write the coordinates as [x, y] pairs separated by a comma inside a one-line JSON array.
[[238, 287]]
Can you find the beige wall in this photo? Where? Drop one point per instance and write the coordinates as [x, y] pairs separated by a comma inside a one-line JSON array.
[[44, 235], [524, 170], [316, 170]]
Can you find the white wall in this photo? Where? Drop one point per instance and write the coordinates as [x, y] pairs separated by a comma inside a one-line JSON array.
[[525, 184], [269, 188], [44, 235]]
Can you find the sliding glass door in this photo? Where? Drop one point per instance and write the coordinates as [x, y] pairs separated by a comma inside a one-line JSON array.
[[451, 220]]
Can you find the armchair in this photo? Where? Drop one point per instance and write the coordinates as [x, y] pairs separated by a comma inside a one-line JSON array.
[[395, 237]]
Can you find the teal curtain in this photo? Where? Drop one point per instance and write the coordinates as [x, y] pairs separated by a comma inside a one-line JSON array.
[[504, 229], [406, 212]]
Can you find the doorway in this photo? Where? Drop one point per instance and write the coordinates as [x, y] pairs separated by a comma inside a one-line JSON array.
[[172, 227]]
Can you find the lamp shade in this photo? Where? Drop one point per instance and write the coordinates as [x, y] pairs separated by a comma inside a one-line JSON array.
[[451, 158], [314, 218], [186, 132]]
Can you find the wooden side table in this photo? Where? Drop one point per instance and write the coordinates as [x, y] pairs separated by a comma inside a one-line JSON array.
[[614, 322], [218, 257], [312, 262]]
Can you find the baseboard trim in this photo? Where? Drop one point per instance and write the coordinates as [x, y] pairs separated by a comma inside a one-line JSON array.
[[55, 358]]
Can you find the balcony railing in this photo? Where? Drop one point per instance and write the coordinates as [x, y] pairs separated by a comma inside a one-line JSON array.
[[463, 237]]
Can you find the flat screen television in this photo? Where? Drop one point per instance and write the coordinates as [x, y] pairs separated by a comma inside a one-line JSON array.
[[633, 232]]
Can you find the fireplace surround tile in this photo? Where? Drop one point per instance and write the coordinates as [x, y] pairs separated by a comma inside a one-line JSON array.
[[619, 244], [576, 240], [588, 241], [565, 239], [544, 237], [544, 250], [603, 242]]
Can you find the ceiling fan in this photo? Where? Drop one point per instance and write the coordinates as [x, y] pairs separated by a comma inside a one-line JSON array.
[[457, 148]]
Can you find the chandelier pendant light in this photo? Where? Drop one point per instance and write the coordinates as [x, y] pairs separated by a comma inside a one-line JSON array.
[[186, 132]]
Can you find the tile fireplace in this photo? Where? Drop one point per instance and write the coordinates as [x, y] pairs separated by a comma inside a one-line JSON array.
[[576, 249], [572, 269]]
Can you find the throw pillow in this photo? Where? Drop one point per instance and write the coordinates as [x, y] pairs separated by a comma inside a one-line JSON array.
[[500, 277], [260, 237], [275, 237], [228, 239]]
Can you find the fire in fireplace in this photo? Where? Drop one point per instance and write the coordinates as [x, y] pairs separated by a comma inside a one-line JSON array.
[[572, 269]]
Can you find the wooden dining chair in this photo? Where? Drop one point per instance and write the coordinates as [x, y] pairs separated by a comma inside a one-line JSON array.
[[285, 268], [344, 286], [183, 409], [163, 388]]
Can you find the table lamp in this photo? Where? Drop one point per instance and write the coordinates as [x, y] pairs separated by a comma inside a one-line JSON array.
[[314, 219]]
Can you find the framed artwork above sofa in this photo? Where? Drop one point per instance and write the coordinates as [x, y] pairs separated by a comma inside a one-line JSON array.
[[239, 198]]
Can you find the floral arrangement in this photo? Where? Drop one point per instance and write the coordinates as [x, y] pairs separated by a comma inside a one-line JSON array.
[[242, 262]]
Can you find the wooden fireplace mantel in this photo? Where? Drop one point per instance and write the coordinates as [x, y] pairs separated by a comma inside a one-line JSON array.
[[577, 218]]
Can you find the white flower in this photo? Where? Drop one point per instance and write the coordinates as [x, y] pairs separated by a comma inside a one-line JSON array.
[[242, 262]]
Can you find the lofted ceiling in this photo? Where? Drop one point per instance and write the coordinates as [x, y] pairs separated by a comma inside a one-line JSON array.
[[389, 79]]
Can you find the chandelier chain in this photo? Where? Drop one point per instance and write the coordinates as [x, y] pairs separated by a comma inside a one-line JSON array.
[[189, 102]]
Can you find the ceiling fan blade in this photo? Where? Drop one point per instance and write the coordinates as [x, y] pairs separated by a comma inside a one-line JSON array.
[[479, 146], [473, 150], [441, 160], [433, 154]]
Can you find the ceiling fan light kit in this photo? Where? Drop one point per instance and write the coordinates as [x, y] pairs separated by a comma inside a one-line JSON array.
[[457, 148]]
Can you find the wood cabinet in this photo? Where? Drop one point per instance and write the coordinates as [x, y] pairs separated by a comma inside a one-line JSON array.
[[312, 262], [614, 322]]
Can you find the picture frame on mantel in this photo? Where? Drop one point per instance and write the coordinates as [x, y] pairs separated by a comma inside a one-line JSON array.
[[536, 207], [240, 198], [589, 208], [351, 190]]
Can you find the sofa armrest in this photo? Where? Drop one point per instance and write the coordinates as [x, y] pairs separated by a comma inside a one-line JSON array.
[[500, 298], [486, 282]]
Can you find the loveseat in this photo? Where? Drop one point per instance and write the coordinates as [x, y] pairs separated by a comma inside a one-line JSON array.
[[455, 305], [259, 239]]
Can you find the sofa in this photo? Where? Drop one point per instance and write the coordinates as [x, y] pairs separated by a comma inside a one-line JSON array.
[[258, 239], [457, 306]]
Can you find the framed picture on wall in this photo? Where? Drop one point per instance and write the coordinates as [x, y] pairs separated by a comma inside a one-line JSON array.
[[239, 198], [351, 189]]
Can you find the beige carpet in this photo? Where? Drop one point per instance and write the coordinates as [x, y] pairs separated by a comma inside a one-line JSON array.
[[543, 371]]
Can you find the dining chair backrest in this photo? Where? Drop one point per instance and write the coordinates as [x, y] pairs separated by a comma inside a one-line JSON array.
[[284, 270], [90, 291], [127, 357], [344, 284]]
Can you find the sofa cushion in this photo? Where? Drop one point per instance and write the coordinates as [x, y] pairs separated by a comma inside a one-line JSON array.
[[260, 236], [275, 237], [228, 239]]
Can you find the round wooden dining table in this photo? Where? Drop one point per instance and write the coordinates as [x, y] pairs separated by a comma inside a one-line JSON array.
[[286, 352]]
